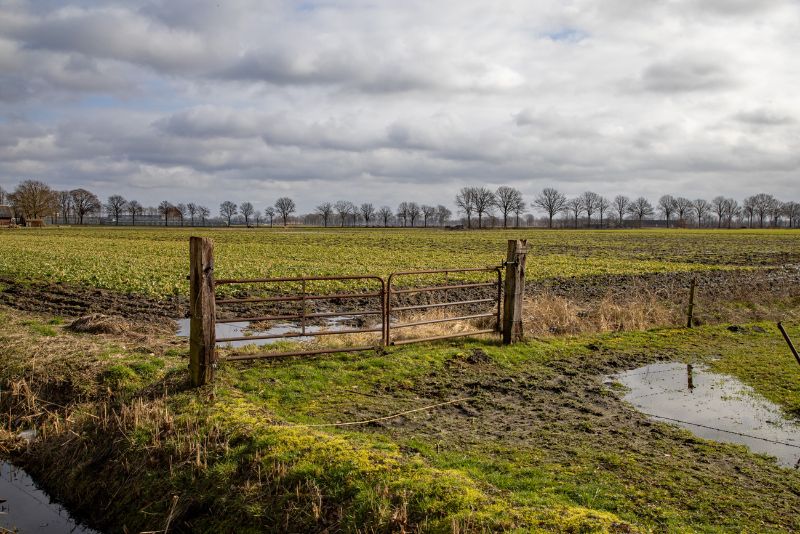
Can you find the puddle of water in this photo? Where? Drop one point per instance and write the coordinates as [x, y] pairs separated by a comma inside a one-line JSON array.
[[26, 508], [243, 328], [700, 397]]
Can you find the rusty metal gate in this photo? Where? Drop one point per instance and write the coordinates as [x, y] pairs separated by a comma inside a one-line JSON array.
[[377, 292], [400, 312], [386, 296]]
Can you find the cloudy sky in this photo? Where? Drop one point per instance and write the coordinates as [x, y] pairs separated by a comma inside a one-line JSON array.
[[198, 100]]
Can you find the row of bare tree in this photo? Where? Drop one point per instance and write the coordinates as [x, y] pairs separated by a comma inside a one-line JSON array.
[[33, 199], [761, 207]]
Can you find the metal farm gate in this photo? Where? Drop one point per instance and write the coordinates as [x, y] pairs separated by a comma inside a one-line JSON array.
[[395, 311], [496, 305]]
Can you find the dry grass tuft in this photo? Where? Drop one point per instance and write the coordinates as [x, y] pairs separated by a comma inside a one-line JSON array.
[[98, 323], [548, 314]]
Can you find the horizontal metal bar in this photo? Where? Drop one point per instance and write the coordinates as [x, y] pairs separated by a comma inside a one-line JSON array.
[[432, 321], [438, 271], [293, 279], [264, 355], [440, 288], [442, 304], [297, 334], [295, 298], [434, 338], [296, 317]]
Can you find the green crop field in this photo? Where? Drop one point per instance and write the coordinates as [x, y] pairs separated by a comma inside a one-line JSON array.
[[154, 261]]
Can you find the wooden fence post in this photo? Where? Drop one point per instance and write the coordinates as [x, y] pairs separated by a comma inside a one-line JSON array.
[[690, 308], [514, 290], [202, 336]]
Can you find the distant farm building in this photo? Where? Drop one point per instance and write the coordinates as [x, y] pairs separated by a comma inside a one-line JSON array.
[[6, 216]]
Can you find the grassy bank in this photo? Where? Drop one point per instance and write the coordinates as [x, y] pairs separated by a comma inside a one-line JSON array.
[[494, 438]]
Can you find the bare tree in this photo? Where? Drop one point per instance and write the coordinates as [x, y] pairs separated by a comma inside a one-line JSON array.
[[402, 212], [228, 210], [552, 202], [385, 214], [575, 206], [682, 207], [325, 210], [508, 200], [246, 209], [115, 205], [792, 211], [667, 206], [621, 203], [701, 209], [602, 206], [180, 211], [484, 202], [465, 201], [428, 212], [270, 212], [720, 206], [749, 209], [413, 212], [134, 209], [590, 201], [640, 209], [257, 217], [3, 195], [443, 214], [343, 209], [776, 211], [65, 205], [34, 199], [285, 207], [762, 205], [367, 211], [84, 203], [191, 207], [732, 210], [165, 209], [204, 213]]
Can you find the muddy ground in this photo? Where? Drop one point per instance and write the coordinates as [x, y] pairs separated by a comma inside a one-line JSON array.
[[74, 301], [561, 411]]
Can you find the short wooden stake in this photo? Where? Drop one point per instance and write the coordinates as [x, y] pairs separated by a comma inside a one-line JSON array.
[[690, 309], [514, 290], [202, 325]]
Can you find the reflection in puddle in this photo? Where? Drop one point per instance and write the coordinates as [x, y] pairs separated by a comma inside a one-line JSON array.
[[724, 408], [244, 328], [25, 508]]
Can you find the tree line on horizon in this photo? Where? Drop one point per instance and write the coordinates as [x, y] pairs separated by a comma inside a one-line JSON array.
[[33, 199]]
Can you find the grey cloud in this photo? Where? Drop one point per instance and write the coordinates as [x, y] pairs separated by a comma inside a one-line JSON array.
[[764, 117], [687, 74]]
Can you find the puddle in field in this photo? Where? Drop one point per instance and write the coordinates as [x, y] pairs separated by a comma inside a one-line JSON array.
[[26, 508], [712, 406], [244, 328]]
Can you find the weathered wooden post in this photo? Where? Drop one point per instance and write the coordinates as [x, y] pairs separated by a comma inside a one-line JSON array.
[[202, 325], [690, 308], [514, 290]]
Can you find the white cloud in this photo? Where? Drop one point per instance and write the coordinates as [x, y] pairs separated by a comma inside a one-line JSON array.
[[408, 100]]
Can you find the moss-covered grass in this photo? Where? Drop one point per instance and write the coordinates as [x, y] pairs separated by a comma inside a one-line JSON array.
[[540, 444]]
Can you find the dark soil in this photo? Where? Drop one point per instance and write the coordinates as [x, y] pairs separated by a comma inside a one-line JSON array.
[[68, 300], [731, 284]]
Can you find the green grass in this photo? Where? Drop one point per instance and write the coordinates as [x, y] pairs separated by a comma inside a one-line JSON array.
[[154, 261], [235, 457]]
